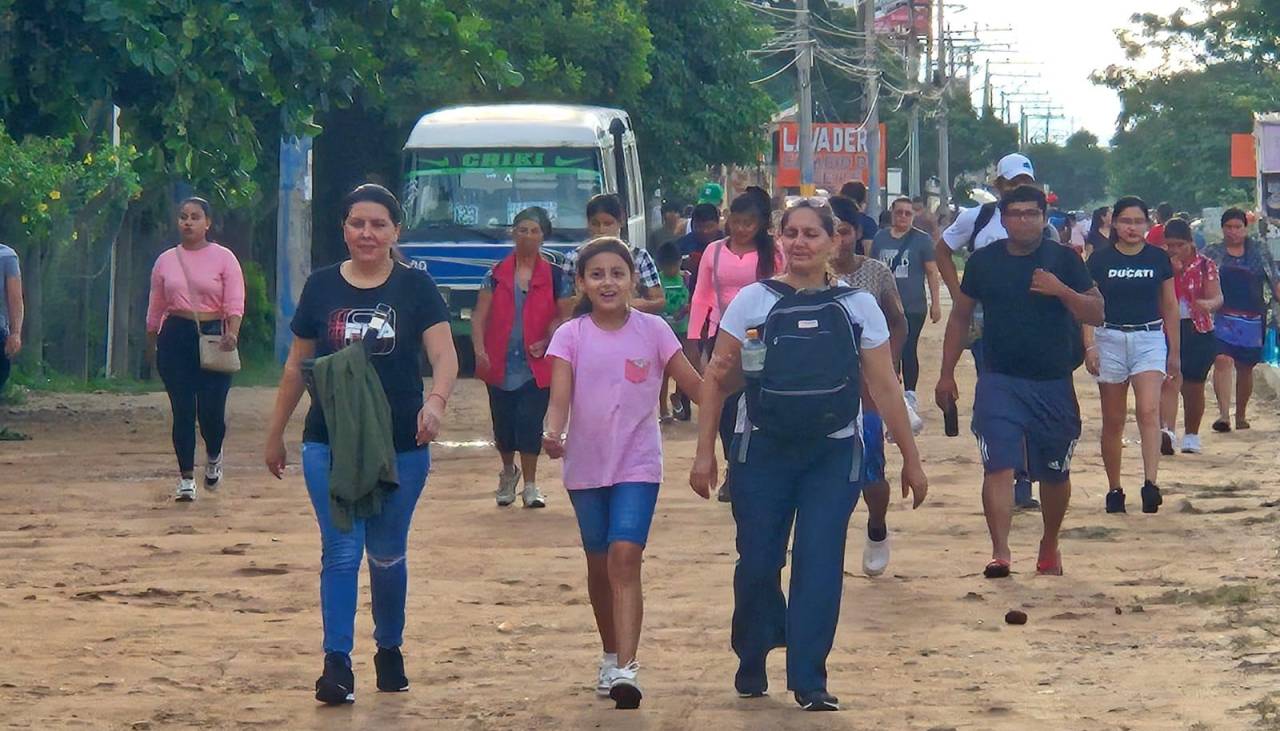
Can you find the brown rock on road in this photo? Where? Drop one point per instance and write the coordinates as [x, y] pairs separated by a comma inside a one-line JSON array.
[[121, 609]]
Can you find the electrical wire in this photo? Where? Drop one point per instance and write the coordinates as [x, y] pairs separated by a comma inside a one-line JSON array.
[[789, 64]]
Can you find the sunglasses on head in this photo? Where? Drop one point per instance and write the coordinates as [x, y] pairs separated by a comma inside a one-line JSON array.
[[808, 202]]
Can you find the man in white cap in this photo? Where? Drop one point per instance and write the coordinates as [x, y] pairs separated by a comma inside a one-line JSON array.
[[973, 229]]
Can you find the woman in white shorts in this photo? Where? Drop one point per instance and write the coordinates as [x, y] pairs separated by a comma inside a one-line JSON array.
[[1136, 345]]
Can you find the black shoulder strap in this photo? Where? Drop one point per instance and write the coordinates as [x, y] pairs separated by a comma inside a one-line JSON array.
[[557, 281], [985, 214], [781, 289]]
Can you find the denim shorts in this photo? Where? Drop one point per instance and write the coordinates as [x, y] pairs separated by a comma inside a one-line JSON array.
[[1122, 355], [873, 460], [621, 512]]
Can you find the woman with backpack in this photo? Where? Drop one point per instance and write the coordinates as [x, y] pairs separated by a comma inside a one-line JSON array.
[[521, 301], [747, 255], [800, 347], [197, 289]]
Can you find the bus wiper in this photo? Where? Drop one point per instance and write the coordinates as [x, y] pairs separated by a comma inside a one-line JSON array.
[[488, 235]]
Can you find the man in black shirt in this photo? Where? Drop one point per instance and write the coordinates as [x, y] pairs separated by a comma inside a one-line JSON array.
[[1034, 294]]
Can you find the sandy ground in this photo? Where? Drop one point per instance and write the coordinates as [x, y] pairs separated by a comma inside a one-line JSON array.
[[121, 609]]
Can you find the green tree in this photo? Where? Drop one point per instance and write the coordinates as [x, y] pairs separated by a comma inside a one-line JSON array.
[[1173, 140], [681, 68], [1076, 171]]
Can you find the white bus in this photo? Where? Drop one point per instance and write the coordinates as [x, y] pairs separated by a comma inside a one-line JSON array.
[[469, 170]]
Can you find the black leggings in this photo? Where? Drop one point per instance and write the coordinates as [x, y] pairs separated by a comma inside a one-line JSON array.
[[194, 393], [910, 356]]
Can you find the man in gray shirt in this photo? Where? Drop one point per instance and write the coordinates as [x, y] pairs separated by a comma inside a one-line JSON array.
[[11, 311], [908, 252]]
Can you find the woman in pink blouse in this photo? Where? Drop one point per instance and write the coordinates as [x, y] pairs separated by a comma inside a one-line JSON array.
[[748, 255], [196, 287]]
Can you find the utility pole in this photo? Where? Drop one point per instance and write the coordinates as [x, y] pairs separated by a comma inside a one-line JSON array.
[[913, 114], [873, 109], [293, 235], [944, 131], [804, 99]]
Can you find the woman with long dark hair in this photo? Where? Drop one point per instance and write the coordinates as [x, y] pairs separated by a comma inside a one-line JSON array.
[[395, 312], [1136, 345], [1196, 282], [1099, 236], [197, 289], [747, 255]]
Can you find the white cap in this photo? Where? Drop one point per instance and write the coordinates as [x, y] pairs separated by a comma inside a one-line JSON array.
[[1011, 166]]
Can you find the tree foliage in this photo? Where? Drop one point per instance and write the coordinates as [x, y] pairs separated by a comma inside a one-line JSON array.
[[206, 86], [1076, 170], [1172, 139]]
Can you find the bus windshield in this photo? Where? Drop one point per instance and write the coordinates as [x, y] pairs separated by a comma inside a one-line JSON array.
[[479, 190]]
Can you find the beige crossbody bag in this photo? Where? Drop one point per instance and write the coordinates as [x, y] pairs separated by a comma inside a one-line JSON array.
[[212, 356]]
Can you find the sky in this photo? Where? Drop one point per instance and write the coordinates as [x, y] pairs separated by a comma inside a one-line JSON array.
[[1070, 40]]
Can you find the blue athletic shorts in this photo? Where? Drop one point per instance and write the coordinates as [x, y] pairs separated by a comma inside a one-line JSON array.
[[622, 512], [1019, 421], [872, 447]]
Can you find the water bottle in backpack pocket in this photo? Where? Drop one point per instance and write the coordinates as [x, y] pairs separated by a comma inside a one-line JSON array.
[[811, 382]]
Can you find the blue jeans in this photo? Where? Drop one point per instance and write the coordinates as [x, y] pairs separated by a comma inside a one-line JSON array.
[[781, 483], [385, 534], [621, 512]]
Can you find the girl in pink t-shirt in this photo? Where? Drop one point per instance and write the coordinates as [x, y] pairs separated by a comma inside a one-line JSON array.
[[607, 369]]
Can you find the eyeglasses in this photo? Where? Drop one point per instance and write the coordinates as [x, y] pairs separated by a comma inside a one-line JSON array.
[[1023, 215]]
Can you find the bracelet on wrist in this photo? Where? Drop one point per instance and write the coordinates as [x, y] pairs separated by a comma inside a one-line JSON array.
[[444, 402], [556, 436]]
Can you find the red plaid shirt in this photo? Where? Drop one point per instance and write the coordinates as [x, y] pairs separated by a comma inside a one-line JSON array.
[[1190, 281]]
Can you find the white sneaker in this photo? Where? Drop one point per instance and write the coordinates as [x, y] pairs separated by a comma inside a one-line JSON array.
[[213, 472], [1191, 444], [911, 399], [624, 687], [186, 491], [875, 557], [912, 414], [532, 497], [507, 482], [608, 663]]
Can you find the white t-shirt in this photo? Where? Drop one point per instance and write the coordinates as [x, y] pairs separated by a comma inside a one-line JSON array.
[[957, 234], [751, 308]]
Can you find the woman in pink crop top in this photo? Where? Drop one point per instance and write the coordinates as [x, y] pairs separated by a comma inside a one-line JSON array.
[[748, 255], [196, 287]]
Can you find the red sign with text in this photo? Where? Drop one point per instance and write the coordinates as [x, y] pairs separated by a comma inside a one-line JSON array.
[[840, 155]]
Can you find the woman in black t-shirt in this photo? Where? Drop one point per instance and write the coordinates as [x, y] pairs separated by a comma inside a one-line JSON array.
[[338, 304], [1136, 345]]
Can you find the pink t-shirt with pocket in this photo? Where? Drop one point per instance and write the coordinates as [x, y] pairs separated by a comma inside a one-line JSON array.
[[613, 434]]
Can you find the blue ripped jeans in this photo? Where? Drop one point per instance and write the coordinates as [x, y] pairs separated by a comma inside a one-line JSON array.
[[386, 535]]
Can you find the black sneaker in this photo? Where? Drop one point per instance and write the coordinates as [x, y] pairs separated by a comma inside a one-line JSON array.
[[1151, 498], [750, 680], [389, 664], [338, 684], [1166, 442], [1115, 501], [817, 700]]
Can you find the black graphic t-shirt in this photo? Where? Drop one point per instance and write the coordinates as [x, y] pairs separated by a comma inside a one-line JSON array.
[[1131, 284], [334, 314], [1026, 335]]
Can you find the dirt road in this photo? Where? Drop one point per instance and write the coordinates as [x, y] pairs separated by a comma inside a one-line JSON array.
[[121, 609]]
